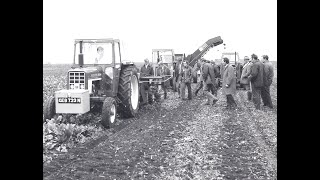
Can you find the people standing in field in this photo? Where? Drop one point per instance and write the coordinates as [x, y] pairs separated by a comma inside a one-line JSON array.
[[146, 70], [208, 76], [244, 77], [267, 81], [229, 83], [186, 77], [256, 79]]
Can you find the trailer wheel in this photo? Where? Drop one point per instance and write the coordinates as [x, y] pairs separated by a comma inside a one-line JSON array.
[[49, 109], [109, 112], [128, 92]]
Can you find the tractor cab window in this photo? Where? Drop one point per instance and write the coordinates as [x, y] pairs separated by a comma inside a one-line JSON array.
[[95, 53], [165, 56]]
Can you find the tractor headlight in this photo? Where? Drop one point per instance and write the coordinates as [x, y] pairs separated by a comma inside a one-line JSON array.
[[72, 86], [81, 86]]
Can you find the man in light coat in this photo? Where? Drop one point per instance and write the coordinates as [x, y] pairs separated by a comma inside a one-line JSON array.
[[229, 83], [209, 82], [256, 79], [268, 77], [244, 77]]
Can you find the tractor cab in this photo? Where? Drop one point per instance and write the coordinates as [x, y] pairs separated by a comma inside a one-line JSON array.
[[98, 63]]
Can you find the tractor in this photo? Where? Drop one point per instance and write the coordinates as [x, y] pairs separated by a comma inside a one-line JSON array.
[[100, 80]]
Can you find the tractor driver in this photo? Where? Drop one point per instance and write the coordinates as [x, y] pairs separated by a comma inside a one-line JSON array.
[[101, 59]]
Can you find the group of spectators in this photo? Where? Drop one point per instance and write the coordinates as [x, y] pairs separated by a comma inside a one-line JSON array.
[[256, 78]]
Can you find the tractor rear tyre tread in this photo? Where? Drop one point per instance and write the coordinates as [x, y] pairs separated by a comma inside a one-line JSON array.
[[124, 92]]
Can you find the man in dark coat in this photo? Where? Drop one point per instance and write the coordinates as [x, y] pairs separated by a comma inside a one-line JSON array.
[[244, 77], [216, 75], [209, 82], [268, 77], [200, 83], [163, 70], [146, 70], [229, 83], [186, 77], [256, 79], [177, 70]]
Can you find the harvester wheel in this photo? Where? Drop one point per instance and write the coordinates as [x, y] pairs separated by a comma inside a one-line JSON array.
[[109, 112], [49, 109], [128, 92]]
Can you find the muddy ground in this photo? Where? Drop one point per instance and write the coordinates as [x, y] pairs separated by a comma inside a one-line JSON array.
[[178, 139]]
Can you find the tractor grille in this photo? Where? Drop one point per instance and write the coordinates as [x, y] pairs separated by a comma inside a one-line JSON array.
[[76, 80]]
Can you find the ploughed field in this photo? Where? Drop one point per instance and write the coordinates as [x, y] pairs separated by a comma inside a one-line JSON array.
[[172, 139]]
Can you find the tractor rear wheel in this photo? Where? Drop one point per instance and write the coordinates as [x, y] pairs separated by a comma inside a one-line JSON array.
[[128, 92], [49, 109], [109, 112]]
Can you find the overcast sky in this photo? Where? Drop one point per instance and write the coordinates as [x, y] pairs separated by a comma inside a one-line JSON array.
[[246, 26]]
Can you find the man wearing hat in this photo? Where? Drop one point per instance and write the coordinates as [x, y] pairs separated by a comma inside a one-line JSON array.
[[228, 83], [185, 77], [268, 77], [256, 79], [244, 77], [146, 70]]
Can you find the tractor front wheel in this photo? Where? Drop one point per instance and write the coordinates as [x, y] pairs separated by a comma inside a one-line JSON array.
[[49, 109], [109, 112]]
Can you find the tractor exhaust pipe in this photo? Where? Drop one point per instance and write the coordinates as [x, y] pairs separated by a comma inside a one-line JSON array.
[[80, 59], [80, 56]]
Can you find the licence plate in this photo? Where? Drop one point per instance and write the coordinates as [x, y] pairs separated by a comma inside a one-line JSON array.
[[69, 100]]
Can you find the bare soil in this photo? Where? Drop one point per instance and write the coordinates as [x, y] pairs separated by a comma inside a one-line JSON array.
[[177, 139]]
